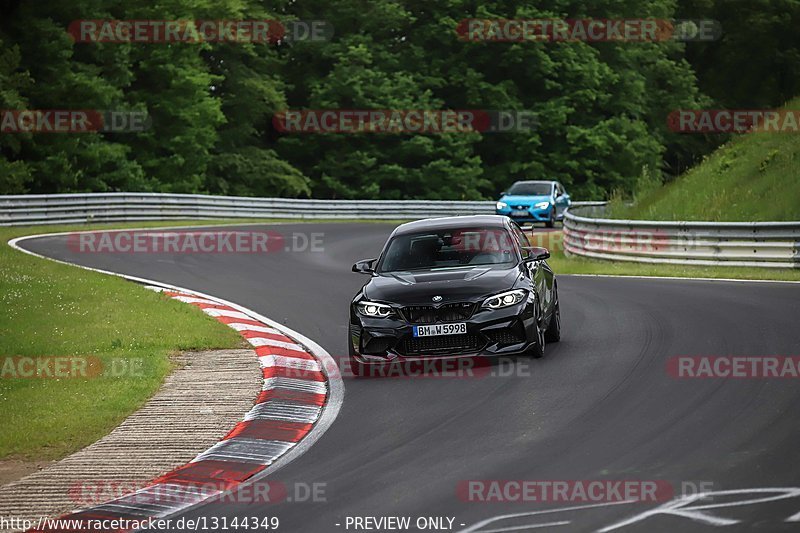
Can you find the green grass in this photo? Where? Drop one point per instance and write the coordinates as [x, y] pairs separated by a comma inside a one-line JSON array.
[[51, 309], [754, 177], [563, 264]]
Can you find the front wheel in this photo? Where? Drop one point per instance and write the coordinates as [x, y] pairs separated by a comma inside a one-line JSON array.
[[537, 350], [553, 332], [551, 222]]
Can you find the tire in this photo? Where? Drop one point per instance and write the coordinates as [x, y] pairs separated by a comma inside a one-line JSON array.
[[551, 222], [553, 332], [537, 350]]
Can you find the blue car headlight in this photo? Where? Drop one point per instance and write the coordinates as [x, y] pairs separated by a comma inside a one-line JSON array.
[[500, 205], [542, 205]]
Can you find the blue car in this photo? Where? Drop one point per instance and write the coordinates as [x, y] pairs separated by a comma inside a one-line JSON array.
[[534, 201]]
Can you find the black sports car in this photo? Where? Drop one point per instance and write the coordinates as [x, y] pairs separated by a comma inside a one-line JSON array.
[[468, 286]]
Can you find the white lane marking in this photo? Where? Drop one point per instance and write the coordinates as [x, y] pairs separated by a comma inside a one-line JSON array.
[[302, 385], [263, 341], [536, 526], [284, 410], [498, 518], [681, 506], [678, 278], [142, 503], [192, 300], [137, 509], [257, 451], [238, 326], [226, 313], [334, 387], [268, 361], [175, 490]]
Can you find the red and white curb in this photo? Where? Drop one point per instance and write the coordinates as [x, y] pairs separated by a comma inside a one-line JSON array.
[[301, 395]]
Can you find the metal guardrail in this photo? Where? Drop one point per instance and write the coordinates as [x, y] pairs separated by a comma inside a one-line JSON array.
[[759, 244], [112, 207], [753, 244]]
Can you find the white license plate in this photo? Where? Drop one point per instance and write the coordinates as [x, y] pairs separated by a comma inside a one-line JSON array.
[[440, 329], [519, 213]]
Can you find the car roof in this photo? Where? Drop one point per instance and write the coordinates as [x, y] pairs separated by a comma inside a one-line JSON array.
[[536, 181], [436, 224]]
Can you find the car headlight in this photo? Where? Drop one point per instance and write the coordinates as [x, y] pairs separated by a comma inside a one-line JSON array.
[[542, 205], [374, 309], [501, 205], [505, 299]]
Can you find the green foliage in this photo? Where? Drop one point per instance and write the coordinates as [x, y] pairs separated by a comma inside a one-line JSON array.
[[756, 63], [207, 120], [601, 107], [753, 177], [16, 173]]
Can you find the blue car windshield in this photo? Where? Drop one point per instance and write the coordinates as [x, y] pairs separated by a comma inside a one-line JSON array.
[[523, 188], [449, 249]]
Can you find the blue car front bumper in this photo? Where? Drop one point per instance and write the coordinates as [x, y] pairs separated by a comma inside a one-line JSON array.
[[531, 214]]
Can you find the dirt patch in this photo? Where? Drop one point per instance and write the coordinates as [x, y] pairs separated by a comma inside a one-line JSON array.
[[14, 469]]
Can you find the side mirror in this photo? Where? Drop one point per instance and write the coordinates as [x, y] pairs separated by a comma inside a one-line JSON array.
[[536, 253], [503, 193], [364, 266]]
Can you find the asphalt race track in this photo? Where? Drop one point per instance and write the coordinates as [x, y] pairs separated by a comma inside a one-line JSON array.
[[600, 405]]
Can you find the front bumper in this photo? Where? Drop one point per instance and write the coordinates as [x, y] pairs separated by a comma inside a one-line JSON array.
[[532, 214], [490, 333]]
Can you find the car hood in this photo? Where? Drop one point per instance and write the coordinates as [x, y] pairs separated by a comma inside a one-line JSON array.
[[457, 285], [525, 200]]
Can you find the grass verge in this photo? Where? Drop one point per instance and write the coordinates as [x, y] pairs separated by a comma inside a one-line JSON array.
[[752, 178], [56, 310]]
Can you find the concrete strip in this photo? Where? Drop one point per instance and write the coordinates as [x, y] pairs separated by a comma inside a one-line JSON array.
[[186, 416]]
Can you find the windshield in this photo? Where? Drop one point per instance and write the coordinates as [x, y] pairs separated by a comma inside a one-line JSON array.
[[530, 188], [448, 249]]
